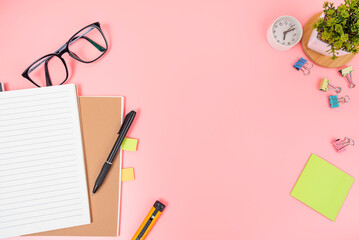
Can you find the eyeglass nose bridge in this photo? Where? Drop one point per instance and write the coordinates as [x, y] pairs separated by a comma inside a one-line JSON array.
[[62, 50], [65, 49]]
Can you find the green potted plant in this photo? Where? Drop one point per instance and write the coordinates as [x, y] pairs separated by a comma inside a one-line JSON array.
[[336, 32]]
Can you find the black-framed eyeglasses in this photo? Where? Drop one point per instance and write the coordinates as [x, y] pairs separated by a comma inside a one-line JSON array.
[[87, 45]]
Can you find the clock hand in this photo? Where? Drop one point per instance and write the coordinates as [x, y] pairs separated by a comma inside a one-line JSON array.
[[285, 32], [289, 30]]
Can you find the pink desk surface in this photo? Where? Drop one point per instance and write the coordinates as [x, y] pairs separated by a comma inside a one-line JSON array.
[[225, 123]]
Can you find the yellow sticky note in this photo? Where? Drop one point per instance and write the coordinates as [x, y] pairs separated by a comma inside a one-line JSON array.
[[127, 174], [129, 144]]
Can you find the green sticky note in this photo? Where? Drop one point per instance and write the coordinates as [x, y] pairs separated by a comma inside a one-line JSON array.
[[129, 144], [322, 187]]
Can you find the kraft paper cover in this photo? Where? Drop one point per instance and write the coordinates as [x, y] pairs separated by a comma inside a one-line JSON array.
[[101, 119]]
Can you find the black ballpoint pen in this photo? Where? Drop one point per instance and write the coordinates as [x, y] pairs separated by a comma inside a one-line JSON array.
[[121, 135]]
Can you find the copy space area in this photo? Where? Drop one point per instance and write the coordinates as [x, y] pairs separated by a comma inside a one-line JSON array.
[[225, 123]]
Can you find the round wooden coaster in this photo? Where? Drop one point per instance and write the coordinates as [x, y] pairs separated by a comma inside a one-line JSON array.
[[317, 58]]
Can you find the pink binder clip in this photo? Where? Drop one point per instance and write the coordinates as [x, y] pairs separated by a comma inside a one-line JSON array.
[[340, 145]]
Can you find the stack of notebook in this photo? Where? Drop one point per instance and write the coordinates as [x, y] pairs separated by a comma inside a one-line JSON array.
[[52, 146]]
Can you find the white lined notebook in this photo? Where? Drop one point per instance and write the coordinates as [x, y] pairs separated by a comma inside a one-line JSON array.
[[42, 172]]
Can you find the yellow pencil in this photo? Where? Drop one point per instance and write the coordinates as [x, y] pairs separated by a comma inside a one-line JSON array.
[[149, 221]]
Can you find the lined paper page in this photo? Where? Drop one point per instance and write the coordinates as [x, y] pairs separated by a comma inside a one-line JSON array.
[[42, 173]]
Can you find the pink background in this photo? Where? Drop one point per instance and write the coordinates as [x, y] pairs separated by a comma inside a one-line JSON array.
[[225, 123]]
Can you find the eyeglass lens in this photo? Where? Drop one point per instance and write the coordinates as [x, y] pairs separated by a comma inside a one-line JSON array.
[[51, 66], [88, 45]]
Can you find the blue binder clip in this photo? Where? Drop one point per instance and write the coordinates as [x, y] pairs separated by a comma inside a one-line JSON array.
[[334, 100], [303, 65]]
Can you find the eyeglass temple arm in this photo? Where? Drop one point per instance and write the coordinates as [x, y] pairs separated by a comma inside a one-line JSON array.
[[96, 45], [77, 38], [46, 59], [47, 75]]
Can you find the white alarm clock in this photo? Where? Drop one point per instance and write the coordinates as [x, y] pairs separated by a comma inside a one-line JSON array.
[[284, 33]]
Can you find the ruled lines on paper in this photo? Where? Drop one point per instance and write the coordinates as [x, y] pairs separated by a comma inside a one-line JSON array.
[[42, 173]]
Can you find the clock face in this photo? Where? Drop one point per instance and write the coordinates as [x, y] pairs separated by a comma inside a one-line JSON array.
[[286, 31]]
